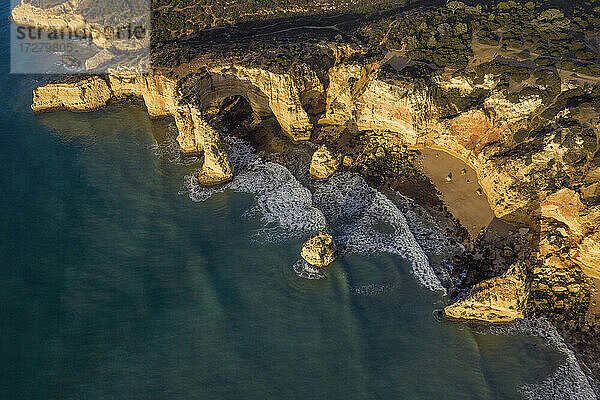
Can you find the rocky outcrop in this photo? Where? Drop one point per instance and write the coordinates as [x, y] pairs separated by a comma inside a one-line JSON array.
[[79, 95], [587, 255], [268, 93], [319, 251], [498, 300], [73, 18], [63, 15], [90, 93], [324, 163], [216, 168], [409, 113], [565, 206], [161, 97], [405, 114]]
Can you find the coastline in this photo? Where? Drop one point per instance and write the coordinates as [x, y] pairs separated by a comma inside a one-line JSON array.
[[473, 264], [471, 138]]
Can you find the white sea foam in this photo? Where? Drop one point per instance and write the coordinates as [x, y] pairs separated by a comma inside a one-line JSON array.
[[307, 271], [363, 220], [282, 203], [568, 382], [373, 289], [169, 149], [366, 222], [431, 237]]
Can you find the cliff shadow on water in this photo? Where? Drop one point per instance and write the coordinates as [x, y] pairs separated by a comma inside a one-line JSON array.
[[227, 261]]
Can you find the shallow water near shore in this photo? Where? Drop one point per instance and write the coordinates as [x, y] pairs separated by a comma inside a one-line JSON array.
[[121, 279]]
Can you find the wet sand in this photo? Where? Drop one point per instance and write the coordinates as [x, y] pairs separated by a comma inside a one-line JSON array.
[[460, 192]]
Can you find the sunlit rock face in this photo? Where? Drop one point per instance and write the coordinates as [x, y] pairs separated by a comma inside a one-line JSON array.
[[80, 96], [497, 300], [216, 168], [319, 251], [324, 163], [588, 255]]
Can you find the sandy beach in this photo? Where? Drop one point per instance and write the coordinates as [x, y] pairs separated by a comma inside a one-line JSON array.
[[458, 185]]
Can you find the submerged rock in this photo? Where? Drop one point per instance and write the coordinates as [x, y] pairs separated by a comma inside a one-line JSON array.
[[324, 163], [319, 250], [497, 300]]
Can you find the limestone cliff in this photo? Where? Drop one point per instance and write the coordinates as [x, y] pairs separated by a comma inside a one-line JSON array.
[[161, 97], [514, 177], [406, 112], [498, 300], [102, 24], [535, 157], [63, 15], [216, 168], [283, 96], [68, 16], [79, 95]]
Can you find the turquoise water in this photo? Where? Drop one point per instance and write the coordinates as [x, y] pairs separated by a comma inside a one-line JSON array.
[[120, 280]]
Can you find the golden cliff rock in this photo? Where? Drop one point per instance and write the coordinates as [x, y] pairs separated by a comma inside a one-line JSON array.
[[319, 251], [324, 163], [497, 300]]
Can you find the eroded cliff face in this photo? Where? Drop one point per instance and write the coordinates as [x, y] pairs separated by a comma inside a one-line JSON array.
[[498, 300], [524, 178], [74, 95], [62, 15], [285, 96], [162, 98], [67, 16], [484, 137]]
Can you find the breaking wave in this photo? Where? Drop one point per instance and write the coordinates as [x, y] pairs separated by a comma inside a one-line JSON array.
[[568, 382], [431, 237], [366, 222], [362, 220], [307, 271], [282, 203]]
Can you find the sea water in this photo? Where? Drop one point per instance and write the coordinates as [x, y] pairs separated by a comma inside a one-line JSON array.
[[121, 278]]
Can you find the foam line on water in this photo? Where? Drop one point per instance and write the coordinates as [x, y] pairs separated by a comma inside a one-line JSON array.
[[431, 237], [363, 220], [169, 149], [373, 289], [366, 222], [568, 382]]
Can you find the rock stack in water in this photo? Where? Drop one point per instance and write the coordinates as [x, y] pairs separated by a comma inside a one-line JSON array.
[[324, 163], [196, 136], [319, 251], [216, 168]]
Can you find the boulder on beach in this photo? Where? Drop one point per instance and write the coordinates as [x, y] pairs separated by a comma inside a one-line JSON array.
[[319, 251], [324, 163]]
